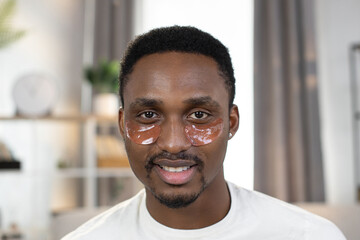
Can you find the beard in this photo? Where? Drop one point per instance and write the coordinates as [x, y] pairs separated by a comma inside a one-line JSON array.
[[178, 200], [175, 200]]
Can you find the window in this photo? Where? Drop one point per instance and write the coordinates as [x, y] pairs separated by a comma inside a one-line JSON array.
[[231, 22]]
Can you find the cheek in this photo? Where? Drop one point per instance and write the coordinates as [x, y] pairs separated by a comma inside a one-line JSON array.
[[214, 155], [200, 135], [137, 158]]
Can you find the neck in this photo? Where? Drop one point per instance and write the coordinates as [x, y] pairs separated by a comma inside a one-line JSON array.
[[209, 208]]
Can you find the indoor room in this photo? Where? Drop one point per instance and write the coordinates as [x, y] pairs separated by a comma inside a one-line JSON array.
[[63, 159]]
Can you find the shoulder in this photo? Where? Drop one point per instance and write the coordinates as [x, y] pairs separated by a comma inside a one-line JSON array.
[[270, 214], [109, 222], [320, 228]]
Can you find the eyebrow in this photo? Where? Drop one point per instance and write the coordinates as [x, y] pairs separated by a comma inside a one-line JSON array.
[[145, 102], [202, 101]]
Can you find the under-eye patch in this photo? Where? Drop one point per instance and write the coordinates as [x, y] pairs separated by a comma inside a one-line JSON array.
[[204, 134], [142, 134], [197, 134]]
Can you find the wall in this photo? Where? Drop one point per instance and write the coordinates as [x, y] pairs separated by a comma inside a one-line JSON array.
[[53, 45], [337, 24]]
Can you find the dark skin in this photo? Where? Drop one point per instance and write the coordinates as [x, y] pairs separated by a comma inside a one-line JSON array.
[[172, 90]]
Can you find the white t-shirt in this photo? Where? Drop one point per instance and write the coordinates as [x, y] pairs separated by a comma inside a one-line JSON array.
[[252, 216]]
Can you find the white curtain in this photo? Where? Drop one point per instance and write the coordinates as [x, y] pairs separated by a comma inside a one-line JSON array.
[[288, 161]]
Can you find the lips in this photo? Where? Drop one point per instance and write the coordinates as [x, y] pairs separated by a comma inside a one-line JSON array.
[[175, 172]]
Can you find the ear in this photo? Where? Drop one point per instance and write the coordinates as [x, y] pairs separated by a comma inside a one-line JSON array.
[[121, 122], [234, 120]]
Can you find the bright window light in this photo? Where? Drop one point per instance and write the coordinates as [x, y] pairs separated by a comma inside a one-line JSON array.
[[230, 21]]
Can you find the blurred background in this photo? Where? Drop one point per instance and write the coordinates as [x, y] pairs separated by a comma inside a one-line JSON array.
[[62, 160]]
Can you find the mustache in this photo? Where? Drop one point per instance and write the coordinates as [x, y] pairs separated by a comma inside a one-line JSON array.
[[166, 155]]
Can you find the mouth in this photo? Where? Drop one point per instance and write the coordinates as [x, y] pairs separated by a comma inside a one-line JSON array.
[[175, 172], [174, 169]]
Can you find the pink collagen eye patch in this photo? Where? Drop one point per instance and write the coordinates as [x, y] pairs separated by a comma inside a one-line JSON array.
[[200, 135], [141, 134], [197, 134]]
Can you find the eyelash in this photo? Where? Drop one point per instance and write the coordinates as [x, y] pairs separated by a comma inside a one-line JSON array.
[[201, 112], [143, 115], [191, 116]]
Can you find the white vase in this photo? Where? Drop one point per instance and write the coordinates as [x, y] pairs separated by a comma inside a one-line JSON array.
[[106, 104]]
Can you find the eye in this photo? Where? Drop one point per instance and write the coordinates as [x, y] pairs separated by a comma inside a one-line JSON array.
[[148, 115], [199, 115]]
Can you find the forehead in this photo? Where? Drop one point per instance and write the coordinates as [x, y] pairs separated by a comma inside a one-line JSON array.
[[175, 76]]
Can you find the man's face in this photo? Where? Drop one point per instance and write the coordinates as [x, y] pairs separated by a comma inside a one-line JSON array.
[[167, 96]]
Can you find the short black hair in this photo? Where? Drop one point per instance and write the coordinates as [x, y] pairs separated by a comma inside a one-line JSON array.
[[178, 39]]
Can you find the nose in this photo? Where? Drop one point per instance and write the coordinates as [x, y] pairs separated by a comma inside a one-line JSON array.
[[172, 138]]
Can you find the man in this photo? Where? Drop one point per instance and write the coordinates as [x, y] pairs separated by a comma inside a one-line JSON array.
[[177, 89]]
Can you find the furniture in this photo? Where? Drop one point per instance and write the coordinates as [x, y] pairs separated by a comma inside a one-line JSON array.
[[62, 172], [346, 217]]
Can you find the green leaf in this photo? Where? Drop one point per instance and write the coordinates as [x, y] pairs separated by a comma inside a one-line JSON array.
[[7, 35], [7, 9], [10, 37], [104, 77]]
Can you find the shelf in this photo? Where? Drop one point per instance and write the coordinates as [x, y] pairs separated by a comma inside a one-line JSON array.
[[77, 184], [71, 173], [78, 211], [80, 118], [11, 172], [114, 172], [99, 172]]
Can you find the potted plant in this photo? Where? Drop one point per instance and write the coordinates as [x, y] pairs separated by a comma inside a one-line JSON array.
[[7, 34], [104, 81]]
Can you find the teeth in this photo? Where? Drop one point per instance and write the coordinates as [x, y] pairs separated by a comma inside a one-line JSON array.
[[174, 169]]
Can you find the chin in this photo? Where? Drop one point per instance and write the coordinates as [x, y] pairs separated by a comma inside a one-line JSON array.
[[177, 201], [178, 196]]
